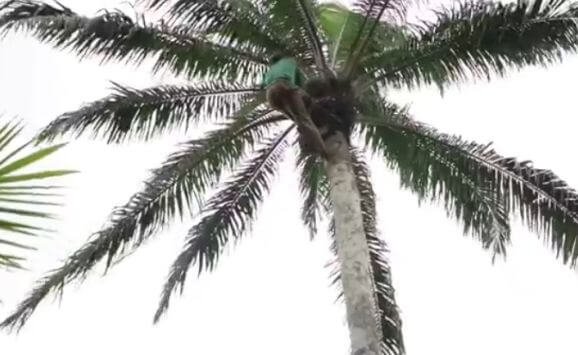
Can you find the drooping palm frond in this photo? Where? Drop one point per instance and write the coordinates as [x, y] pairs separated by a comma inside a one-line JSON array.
[[172, 190], [478, 40], [425, 169], [544, 202], [228, 215], [131, 113], [23, 197], [314, 189], [234, 21], [114, 36]]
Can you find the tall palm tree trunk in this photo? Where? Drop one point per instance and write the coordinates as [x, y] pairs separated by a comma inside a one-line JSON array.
[[353, 252]]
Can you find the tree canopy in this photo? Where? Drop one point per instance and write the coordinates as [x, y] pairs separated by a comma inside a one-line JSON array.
[[221, 47]]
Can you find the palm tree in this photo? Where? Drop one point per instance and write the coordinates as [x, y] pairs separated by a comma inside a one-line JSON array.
[[351, 59], [24, 198]]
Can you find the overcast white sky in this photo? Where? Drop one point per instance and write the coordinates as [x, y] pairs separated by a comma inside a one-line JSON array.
[[271, 295]]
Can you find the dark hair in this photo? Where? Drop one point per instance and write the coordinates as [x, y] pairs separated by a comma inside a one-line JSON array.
[[276, 57]]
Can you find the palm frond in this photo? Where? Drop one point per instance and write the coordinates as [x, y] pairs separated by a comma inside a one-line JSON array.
[[376, 9], [425, 169], [143, 114], [228, 214], [114, 36], [314, 189], [342, 27], [297, 21], [233, 21], [23, 204], [544, 202], [172, 190], [478, 40], [311, 24], [373, 11]]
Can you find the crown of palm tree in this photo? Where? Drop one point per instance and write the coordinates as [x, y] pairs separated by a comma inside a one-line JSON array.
[[222, 47]]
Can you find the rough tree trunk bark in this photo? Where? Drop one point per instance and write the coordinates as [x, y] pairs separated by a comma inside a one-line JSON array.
[[353, 252]]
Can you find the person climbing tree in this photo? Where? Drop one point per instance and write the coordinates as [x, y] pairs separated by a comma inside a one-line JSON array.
[[284, 82]]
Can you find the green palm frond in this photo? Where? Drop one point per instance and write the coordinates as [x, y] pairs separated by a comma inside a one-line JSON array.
[[223, 46], [234, 21], [314, 189], [131, 113], [478, 40], [381, 9], [114, 36], [373, 11], [297, 21], [426, 169], [544, 202], [23, 196], [343, 28], [310, 24], [172, 190], [228, 214]]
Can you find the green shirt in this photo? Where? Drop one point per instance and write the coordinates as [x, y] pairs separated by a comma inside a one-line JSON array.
[[285, 69]]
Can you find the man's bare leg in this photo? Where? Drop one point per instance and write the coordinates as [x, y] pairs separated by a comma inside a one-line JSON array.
[[303, 119], [291, 101]]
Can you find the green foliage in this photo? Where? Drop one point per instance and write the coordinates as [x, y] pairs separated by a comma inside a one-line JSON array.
[[144, 114], [478, 40], [228, 214], [314, 190], [479, 186], [114, 36], [343, 27], [426, 168], [171, 191], [23, 198], [223, 46]]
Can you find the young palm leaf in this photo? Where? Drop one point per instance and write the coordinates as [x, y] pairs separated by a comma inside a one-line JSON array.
[[23, 195], [343, 26]]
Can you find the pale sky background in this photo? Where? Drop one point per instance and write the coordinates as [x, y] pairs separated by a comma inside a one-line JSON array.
[[271, 294]]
